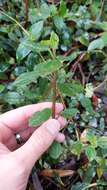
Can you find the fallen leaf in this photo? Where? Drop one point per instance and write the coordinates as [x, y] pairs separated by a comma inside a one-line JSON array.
[[83, 137], [56, 172]]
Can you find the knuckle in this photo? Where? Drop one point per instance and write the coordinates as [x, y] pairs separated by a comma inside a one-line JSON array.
[[55, 122]]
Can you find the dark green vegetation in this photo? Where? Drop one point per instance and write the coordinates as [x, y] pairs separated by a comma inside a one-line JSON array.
[[57, 51]]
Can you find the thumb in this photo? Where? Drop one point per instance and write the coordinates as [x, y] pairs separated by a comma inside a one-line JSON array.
[[38, 143]]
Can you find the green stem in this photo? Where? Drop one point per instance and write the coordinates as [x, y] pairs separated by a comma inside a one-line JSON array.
[[89, 186], [15, 21]]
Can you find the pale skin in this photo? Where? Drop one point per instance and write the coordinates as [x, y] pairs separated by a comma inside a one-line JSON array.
[[17, 162]]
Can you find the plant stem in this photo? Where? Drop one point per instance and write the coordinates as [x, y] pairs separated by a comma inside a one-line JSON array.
[[15, 21], [54, 85], [102, 83], [89, 186], [61, 97], [27, 9], [101, 10], [54, 94]]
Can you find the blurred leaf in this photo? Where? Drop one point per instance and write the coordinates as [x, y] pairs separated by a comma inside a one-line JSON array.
[[89, 90], [42, 70], [70, 89], [102, 25], [39, 117], [96, 44], [86, 103], [102, 142], [90, 136], [91, 153], [2, 87], [62, 8], [13, 98], [25, 79], [90, 174], [36, 29], [55, 150], [24, 49], [54, 40], [69, 113], [59, 23], [48, 67], [39, 14], [76, 148]]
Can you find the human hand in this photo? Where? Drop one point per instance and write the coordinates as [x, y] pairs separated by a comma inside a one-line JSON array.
[[16, 163]]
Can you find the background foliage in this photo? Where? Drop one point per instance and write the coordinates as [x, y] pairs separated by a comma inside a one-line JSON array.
[[57, 51]]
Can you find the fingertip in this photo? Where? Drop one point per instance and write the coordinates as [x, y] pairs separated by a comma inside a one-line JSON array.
[[62, 121], [60, 138], [59, 107]]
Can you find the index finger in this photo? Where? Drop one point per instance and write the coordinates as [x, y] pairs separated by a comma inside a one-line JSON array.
[[18, 119]]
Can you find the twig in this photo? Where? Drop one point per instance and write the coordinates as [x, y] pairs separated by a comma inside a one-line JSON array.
[[105, 80], [27, 9], [7, 81], [75, 65], [77, 134], [71, 50], [82, 74], [36, 182]]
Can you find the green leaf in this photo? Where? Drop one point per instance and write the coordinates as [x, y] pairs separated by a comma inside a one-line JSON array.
[[2, 87], [89, 90], [96, 44], [54, 40], [42, 69], [102, 124], [90, 174], [102, 25], [70, 89], [59, 23], [4, 67], [47, 68], [55, 150], [104, 38], [91, 153], [25, 79], [39, 14], [39, 117], [45, 11], [91, 138], [76, 148], [102, 142], [36, 30], [70, 112], [13, 98], [62, 9], [23, 50], [86, 103]]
